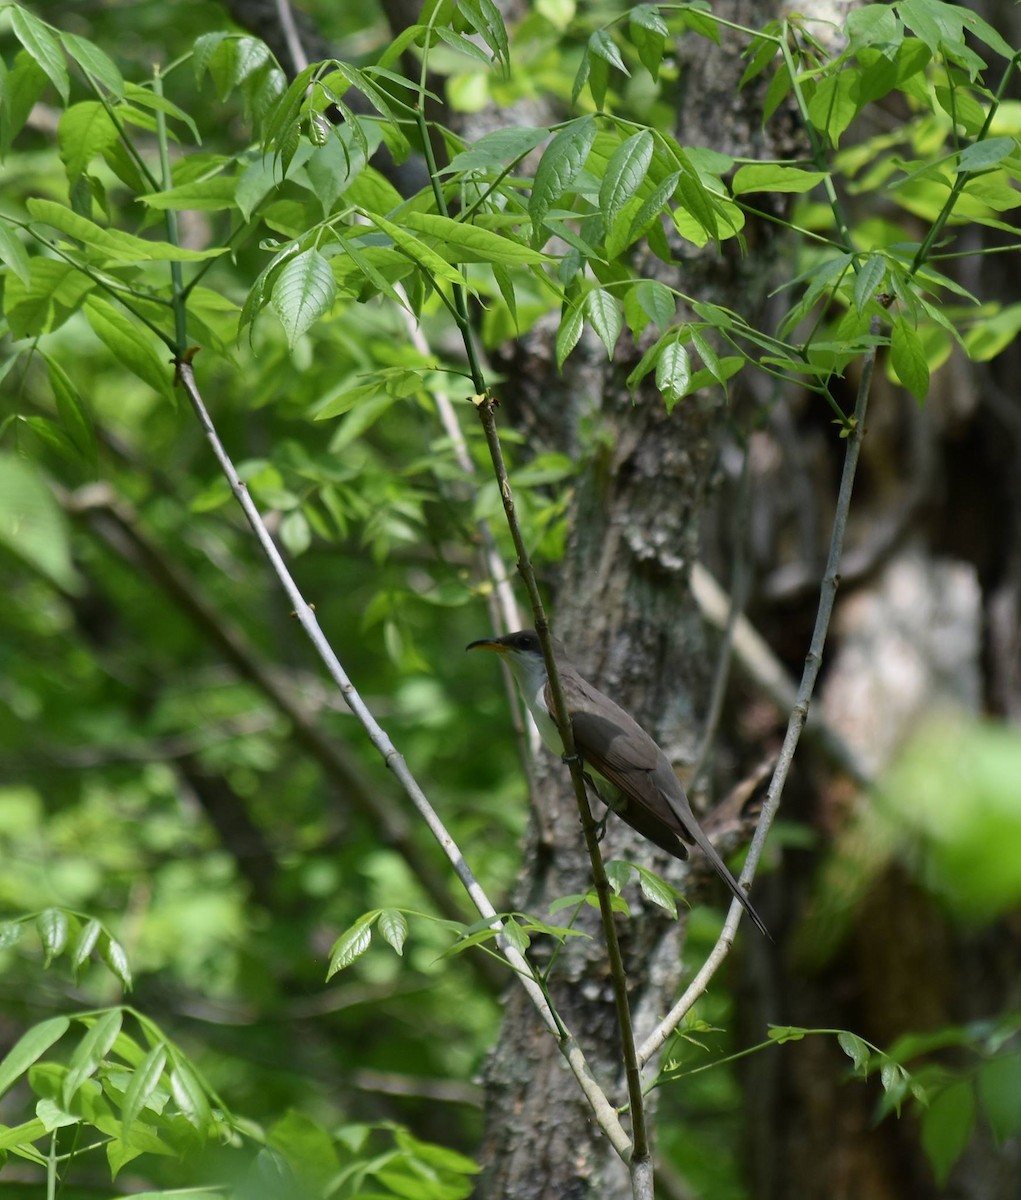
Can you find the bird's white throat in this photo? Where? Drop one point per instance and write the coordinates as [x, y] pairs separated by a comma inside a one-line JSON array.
[[530, 672]]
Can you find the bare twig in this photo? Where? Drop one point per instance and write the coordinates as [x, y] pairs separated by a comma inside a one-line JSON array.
[[796, 723]]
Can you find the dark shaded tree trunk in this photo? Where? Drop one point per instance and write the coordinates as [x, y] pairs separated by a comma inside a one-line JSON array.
[[623, 607]]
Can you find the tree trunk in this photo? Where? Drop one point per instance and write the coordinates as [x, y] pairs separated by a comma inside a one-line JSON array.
[[623, 607]]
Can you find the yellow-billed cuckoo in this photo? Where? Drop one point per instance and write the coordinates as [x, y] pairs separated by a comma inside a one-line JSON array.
[[633, 776]]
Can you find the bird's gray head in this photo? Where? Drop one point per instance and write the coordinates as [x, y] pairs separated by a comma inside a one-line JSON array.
[[521, 644], [522, 653]]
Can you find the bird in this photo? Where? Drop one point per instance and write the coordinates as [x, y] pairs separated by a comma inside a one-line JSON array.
[[628, 770]]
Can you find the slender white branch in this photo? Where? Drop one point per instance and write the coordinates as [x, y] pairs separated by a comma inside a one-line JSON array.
[[795, 724], [603, 1110]]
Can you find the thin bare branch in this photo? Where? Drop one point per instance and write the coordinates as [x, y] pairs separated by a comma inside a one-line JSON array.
[[604, 1112], [795, 724]]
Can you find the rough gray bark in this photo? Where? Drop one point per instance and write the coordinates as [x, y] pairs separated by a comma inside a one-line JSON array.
[[623, 608]]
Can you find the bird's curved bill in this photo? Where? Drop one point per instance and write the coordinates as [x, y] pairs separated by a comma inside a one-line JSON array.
[[493, 644]]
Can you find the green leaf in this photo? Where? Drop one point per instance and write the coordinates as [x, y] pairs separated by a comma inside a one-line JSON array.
[[21, 1137], [112, 953], [74, 415], [10, 931], [53, 926], [999, 1088], [657, 890], [295, 533], [760, 53], [84, 944], [625, 232], [146, 99], [602, 46], [696, 200], [868, 280], [494, 150], [648, 32], [393, 925], [94, 62], [352, 943], [855, 1049], [29, 1048], [872, 24], [985, 154], [486, 20], [53, 293], [144, 1081], [907, 357], [41, 43], [22, 88], [506, 285], [113, 244], [781, 1034], [834, 105], [84, 131], [435, 266], [571, 324], [436, 1156], [200, 195], [990, 335], [720, 369], [779, 89], [380, 266], [645, 364], [603, 314], [472, 243], [33, 526], [366, 414], [13, 252], [560, 165], [457, 41], [514, 933], [129, 343], [304, 290], [309, 1149], [63, 218], [649, 300], [190, 1096], [946, 1127], [90, 1053], [625, 174], [673, 374], [772, 177]]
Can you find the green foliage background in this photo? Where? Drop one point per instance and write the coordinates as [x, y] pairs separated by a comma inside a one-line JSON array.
[[162, 824]]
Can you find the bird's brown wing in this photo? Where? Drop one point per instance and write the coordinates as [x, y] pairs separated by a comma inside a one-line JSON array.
[[618, 749], [652, 800]]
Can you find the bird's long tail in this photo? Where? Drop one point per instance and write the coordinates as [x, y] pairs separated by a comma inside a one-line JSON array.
[[721, 869]]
